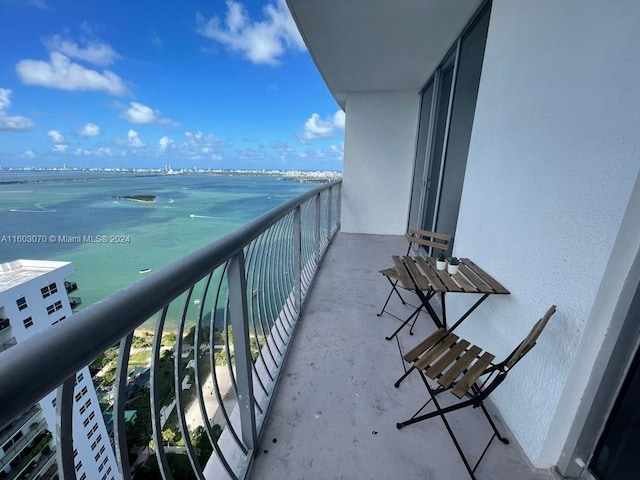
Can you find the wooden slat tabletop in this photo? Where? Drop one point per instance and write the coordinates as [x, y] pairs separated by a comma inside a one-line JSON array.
[[422, 282], [481, 285], [461, 284], [497, 287], [469, 279], [430, 274]]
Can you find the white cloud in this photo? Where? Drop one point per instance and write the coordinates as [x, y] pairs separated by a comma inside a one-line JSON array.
[[315, 127], [165, 143], [61, 73], [339, 119], [154, 39], [28, 154], [96, 52], [132, 140], [11, 123], [96, 152], [142, 114], [60, 148], [262, 42], [57, 139], [204, 143], [5, 98], [89, 130], [55, 136]]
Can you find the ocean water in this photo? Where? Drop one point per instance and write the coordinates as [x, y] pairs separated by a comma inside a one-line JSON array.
[[189, 212]]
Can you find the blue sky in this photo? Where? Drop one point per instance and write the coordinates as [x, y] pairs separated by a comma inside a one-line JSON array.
[[210, 84]]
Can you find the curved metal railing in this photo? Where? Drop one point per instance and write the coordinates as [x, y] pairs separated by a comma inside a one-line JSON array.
[[225, 316]]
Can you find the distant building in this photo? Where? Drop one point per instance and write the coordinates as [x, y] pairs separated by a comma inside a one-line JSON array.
[[33, 298]]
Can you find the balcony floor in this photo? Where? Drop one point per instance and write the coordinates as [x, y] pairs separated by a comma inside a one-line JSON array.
[[336, 407]]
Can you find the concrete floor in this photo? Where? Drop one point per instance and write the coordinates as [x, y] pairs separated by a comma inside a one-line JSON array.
[[336, 409]]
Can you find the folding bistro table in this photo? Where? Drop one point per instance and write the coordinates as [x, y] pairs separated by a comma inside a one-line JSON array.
[[420, 275]]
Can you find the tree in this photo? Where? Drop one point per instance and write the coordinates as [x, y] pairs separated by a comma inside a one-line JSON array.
[[169, 436], [201, 443]]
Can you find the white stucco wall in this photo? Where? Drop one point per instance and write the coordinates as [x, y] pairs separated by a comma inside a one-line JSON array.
[[554, 156], [379, 151]]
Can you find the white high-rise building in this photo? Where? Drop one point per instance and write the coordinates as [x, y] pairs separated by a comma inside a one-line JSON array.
[[33, 298]]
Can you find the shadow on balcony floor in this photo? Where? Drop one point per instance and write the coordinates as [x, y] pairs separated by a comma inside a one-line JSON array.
[[336, 408]]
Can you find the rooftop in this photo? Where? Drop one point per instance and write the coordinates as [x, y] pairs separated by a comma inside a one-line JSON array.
[[21, 271], [336, 409]]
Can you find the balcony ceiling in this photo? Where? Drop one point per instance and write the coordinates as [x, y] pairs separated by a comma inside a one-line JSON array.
[[379, 45]]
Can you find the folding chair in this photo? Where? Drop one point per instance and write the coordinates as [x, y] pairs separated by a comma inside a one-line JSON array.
[[415, 237], [465, 371]]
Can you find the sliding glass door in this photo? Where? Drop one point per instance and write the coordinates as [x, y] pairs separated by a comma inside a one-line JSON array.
[[446, 120], [617, 456]]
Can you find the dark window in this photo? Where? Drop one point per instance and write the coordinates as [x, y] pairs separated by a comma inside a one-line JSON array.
[[51, 309], [27, 322], [22, 303], [49, 290]]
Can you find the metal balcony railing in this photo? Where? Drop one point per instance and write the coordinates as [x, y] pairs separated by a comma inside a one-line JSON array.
[[239, 299]]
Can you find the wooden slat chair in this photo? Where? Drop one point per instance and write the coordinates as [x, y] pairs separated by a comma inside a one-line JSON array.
[[436, 242], [466, 372]]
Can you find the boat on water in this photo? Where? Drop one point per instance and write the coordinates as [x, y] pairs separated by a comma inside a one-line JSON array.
[[144, 270]]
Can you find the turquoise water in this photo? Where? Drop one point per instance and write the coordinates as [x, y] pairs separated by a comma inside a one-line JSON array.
[[189, 212]]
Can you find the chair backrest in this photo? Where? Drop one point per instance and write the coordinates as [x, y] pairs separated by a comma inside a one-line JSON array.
[[438, 241], [530, 340]]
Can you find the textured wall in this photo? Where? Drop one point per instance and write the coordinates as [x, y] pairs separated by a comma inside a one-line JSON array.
[[379, 150], [553, 159]]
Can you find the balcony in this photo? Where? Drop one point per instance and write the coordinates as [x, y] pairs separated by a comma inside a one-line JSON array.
[[336, 408], [6, 345], [238, 302], [75, 302], [70, 286]]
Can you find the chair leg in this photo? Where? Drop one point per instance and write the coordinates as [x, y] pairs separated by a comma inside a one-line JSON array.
[[404, 324], [440, 412], [405, 375], [393, 289], [455, 442], [493, 425]]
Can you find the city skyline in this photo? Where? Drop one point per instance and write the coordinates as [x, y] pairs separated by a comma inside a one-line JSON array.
[[221, 85]]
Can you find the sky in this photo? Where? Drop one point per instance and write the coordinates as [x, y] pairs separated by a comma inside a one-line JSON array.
[[191, 83]]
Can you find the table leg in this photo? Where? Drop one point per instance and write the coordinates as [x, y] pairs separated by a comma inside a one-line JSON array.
[[432, 313], [463, 317]]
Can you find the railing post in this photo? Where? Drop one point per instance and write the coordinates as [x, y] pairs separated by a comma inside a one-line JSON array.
[[239, 316], [119, 424], [318, 205], [64, 429], [329, 208], [297, 257]]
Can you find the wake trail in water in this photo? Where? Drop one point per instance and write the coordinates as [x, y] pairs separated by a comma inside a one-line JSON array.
[[206, 216], [39, 206]]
